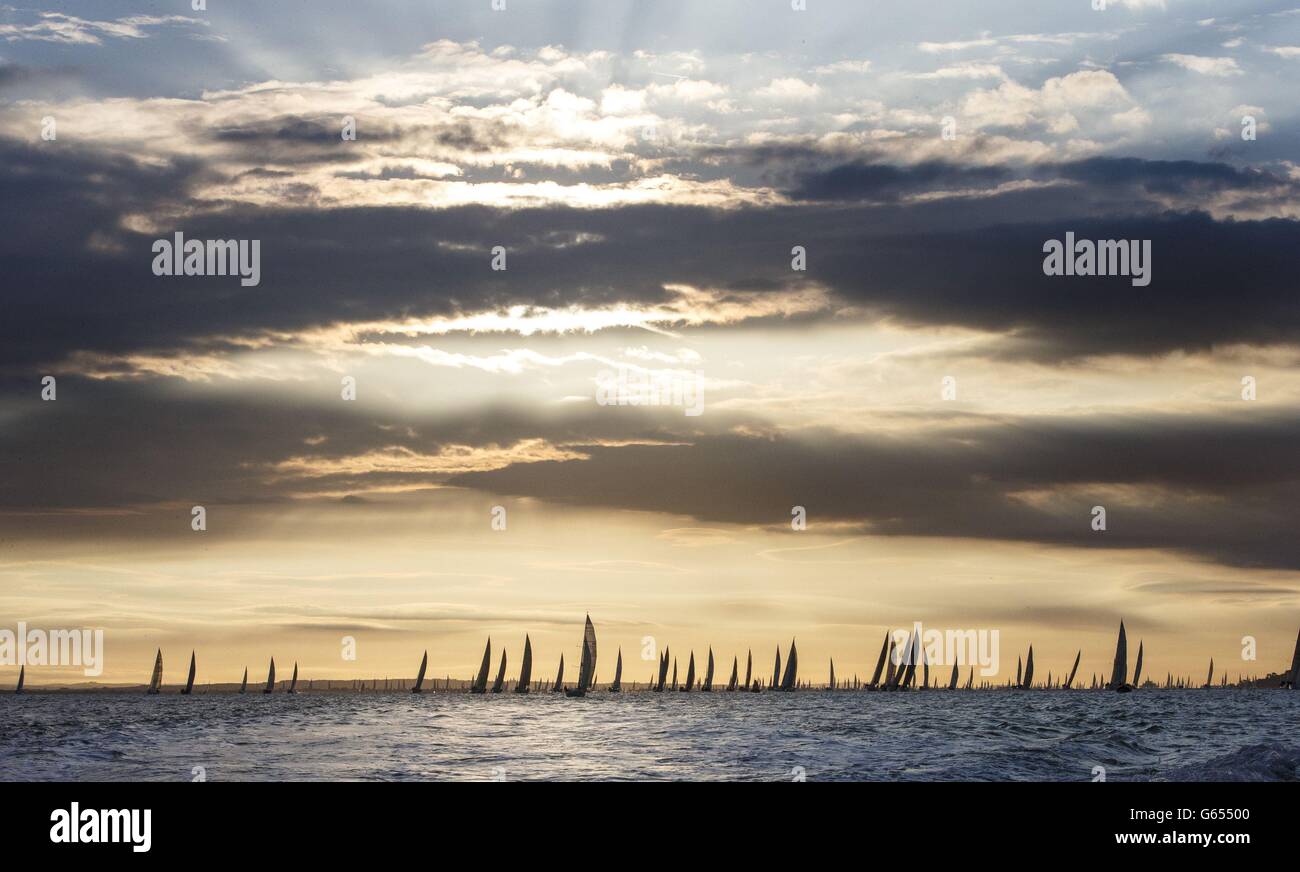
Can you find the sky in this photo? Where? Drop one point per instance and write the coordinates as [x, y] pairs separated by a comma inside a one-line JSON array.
[[825, 225]]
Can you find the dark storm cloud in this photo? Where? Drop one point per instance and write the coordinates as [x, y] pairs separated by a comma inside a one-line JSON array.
[[77, 278], [1225, 489], [21, 81], [111, 445], [12, 74], [1105, 178], [1233, 506], [883, 182], [1177, 178], [287, 129]]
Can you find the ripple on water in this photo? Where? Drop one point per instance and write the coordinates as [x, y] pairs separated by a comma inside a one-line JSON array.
[[988, 736]]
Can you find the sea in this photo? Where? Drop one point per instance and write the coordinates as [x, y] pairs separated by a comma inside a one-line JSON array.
[[1170, 735]]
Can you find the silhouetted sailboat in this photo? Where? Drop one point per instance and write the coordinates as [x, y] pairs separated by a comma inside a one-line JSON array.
[[1029, 670], [587, 667], [480, 681], [243, 685], [617, 686], [526, 671], [831, 685], [189, 682], [1119, 672], [1137, 669], [270, 678], [891, 667], [559, 677], [880, 663], [1209, 679], [663, 672], [22, 678], [735, 674], [952, 682], [1073, 669], [293, 682], [908, 675], [155, 682], [500, 681], [791, 669], [749, 664], [674, 686], [707, 686], [419, 678], [690, 675], [776, 670], [1295, 665]]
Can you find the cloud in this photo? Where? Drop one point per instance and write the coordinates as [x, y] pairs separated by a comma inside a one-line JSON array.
[[71, 30], [1031, 478], [846, 66], [1015, 479], [1014, 105], [957, 45], [964, 71], [885, 182], [788, 89], [884, 239], [1220, 67]]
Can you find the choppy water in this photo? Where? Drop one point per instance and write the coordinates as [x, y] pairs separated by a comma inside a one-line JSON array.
[[914, 736]]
